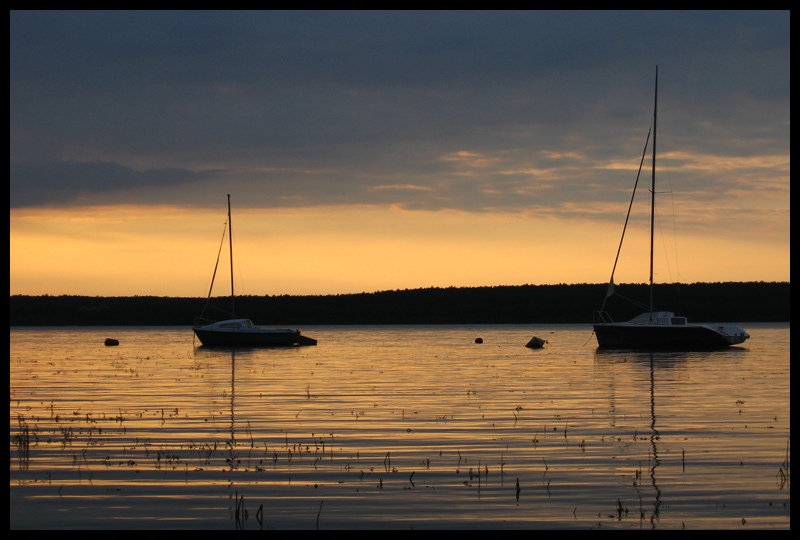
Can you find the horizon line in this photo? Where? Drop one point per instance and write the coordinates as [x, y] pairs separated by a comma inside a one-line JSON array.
[[433, 287]]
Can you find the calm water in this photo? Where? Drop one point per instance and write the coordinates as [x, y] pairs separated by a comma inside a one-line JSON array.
[[396, 427]]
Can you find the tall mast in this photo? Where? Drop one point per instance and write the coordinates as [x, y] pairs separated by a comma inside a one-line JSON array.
[[653, 196], [230, 242]]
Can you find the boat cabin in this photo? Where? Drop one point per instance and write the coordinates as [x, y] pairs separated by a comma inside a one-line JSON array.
[[658, 317]]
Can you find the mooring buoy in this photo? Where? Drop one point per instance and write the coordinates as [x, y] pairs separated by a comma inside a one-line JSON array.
[[536, 343]]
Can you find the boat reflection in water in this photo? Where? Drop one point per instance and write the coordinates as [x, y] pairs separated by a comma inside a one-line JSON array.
[[647, 512]]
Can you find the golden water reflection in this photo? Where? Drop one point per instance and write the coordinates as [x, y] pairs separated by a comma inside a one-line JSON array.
[[395, 427]]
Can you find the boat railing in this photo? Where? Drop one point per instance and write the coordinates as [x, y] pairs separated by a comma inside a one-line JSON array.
[[602, 317]]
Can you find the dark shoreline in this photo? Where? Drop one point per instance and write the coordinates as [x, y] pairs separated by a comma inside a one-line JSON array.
[[701, 302]]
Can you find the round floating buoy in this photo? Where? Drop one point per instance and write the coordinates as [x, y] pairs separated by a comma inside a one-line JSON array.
[[111, 342], [478, 340]]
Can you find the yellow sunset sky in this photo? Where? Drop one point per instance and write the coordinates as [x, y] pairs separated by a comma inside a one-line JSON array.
[[169, 251], [368, 151]]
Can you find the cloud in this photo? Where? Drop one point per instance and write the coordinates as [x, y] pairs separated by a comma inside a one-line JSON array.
[[47, 183], [476, 110]]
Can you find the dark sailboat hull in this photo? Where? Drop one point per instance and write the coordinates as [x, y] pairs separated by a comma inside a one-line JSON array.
[[211, 338], [659, 337]]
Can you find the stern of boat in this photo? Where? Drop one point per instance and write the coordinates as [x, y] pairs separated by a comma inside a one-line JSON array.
[[733, 334]]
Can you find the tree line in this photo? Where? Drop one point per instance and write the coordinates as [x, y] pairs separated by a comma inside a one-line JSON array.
[[575, 303]]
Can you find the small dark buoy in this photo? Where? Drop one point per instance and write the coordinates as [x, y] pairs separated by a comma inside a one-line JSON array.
[[479, 340], [536, 343], [111, 342]]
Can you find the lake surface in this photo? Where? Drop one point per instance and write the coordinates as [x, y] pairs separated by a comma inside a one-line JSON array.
[[401, 427]]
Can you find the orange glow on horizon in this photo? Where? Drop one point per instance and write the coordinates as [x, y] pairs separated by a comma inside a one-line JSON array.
[[170, 251]]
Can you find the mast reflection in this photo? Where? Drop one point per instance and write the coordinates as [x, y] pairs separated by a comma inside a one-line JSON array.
[[653, 362]]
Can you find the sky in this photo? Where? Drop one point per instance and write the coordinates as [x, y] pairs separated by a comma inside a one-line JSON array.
[[382, 150]]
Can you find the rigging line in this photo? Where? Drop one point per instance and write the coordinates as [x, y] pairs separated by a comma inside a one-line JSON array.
[[660, 222], [239, 275], [630, 205], [664, 245], [633, 302], [665, 167], [216, 265]]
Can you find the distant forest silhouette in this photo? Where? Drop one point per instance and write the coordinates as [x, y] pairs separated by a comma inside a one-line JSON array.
[[700, 302]]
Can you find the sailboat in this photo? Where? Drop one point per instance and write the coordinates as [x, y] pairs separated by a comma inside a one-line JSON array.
[[235, 332], [659, 329]]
